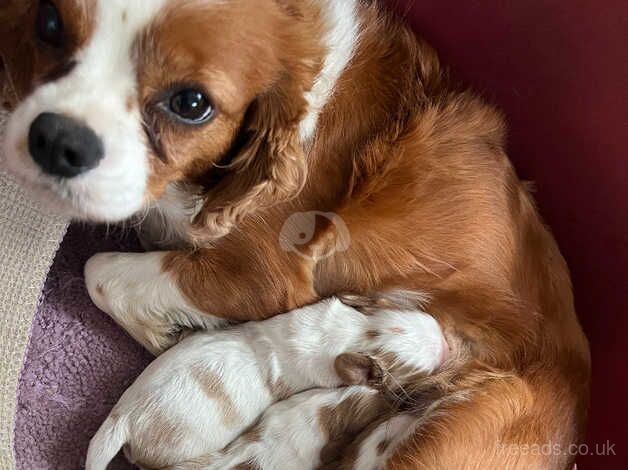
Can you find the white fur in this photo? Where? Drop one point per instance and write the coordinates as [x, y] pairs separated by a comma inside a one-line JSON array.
[[291, 435], [395, 431], [167, 223], [341, 38], [297, 350], [95, 92], [136, 292]]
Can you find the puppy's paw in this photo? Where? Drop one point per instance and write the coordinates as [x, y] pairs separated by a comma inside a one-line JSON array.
[[406, 341], [129, 282]]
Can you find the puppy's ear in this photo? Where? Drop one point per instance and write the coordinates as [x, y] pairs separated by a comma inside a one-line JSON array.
[[358, 369], [267, 165]]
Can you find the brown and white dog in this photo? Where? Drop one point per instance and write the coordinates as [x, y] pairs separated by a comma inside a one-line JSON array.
[[283, 151]]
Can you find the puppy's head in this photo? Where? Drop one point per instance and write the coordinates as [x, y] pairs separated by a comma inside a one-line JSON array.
[[113, 101]]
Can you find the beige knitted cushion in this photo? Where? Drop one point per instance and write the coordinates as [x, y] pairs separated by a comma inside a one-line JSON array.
[[29, 239]]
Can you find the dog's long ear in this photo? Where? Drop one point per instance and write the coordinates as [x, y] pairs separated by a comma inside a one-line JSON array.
[[267, 164]]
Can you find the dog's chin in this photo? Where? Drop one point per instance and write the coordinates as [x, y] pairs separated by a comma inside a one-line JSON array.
[[59, 199], [64, 198]]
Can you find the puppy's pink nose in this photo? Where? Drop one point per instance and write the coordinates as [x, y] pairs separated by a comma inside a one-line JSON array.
[[62, 146]]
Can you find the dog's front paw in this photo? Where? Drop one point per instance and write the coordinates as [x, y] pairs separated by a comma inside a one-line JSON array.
[[122, 283], [102, 275], [143, 298], [135, 291]]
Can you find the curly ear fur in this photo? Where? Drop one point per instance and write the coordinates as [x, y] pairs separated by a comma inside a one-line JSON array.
[[270, 168]]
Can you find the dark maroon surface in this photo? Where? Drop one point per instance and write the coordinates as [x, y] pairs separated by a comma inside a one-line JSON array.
[[559, 70]]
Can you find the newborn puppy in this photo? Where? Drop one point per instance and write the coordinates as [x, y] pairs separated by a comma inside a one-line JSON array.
[[342, 429], [203, 393], [307, 431], [356, 427]]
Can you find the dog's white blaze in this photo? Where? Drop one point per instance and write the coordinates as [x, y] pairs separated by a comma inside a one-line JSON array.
[[96, 93], [341, 39]]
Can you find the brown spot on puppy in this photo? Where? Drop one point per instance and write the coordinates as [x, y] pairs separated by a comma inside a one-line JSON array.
[[246, 466], [279, 390], [383, 446], [341, 424], [213, 388], [373, 334], [253, 435], [130, 103]]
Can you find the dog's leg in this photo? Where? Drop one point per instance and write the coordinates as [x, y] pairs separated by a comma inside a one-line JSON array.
[[153, 295], [136, 291]]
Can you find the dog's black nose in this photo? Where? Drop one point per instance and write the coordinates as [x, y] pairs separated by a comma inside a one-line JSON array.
[[62, 146]]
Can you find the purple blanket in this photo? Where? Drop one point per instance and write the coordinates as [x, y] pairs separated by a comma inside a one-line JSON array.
[[78, 363]]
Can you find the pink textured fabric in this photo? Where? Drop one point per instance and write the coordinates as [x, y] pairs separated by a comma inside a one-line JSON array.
[[77, 366]]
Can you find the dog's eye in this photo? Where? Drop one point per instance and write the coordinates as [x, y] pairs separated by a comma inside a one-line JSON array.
[[191, 106], [50, 28]]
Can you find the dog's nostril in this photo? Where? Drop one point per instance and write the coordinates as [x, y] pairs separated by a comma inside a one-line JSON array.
[[72, 158], [40, 142]]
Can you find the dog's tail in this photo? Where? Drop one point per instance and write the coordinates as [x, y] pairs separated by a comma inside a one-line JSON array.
[[107, 442]]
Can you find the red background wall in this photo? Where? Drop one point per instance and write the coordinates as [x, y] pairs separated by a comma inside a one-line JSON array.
[[559, 69]]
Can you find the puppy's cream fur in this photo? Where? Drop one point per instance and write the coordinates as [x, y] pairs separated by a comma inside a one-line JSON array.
[[203, 393]]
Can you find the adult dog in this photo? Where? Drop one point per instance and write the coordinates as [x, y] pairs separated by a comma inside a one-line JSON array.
[[284, 151]]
